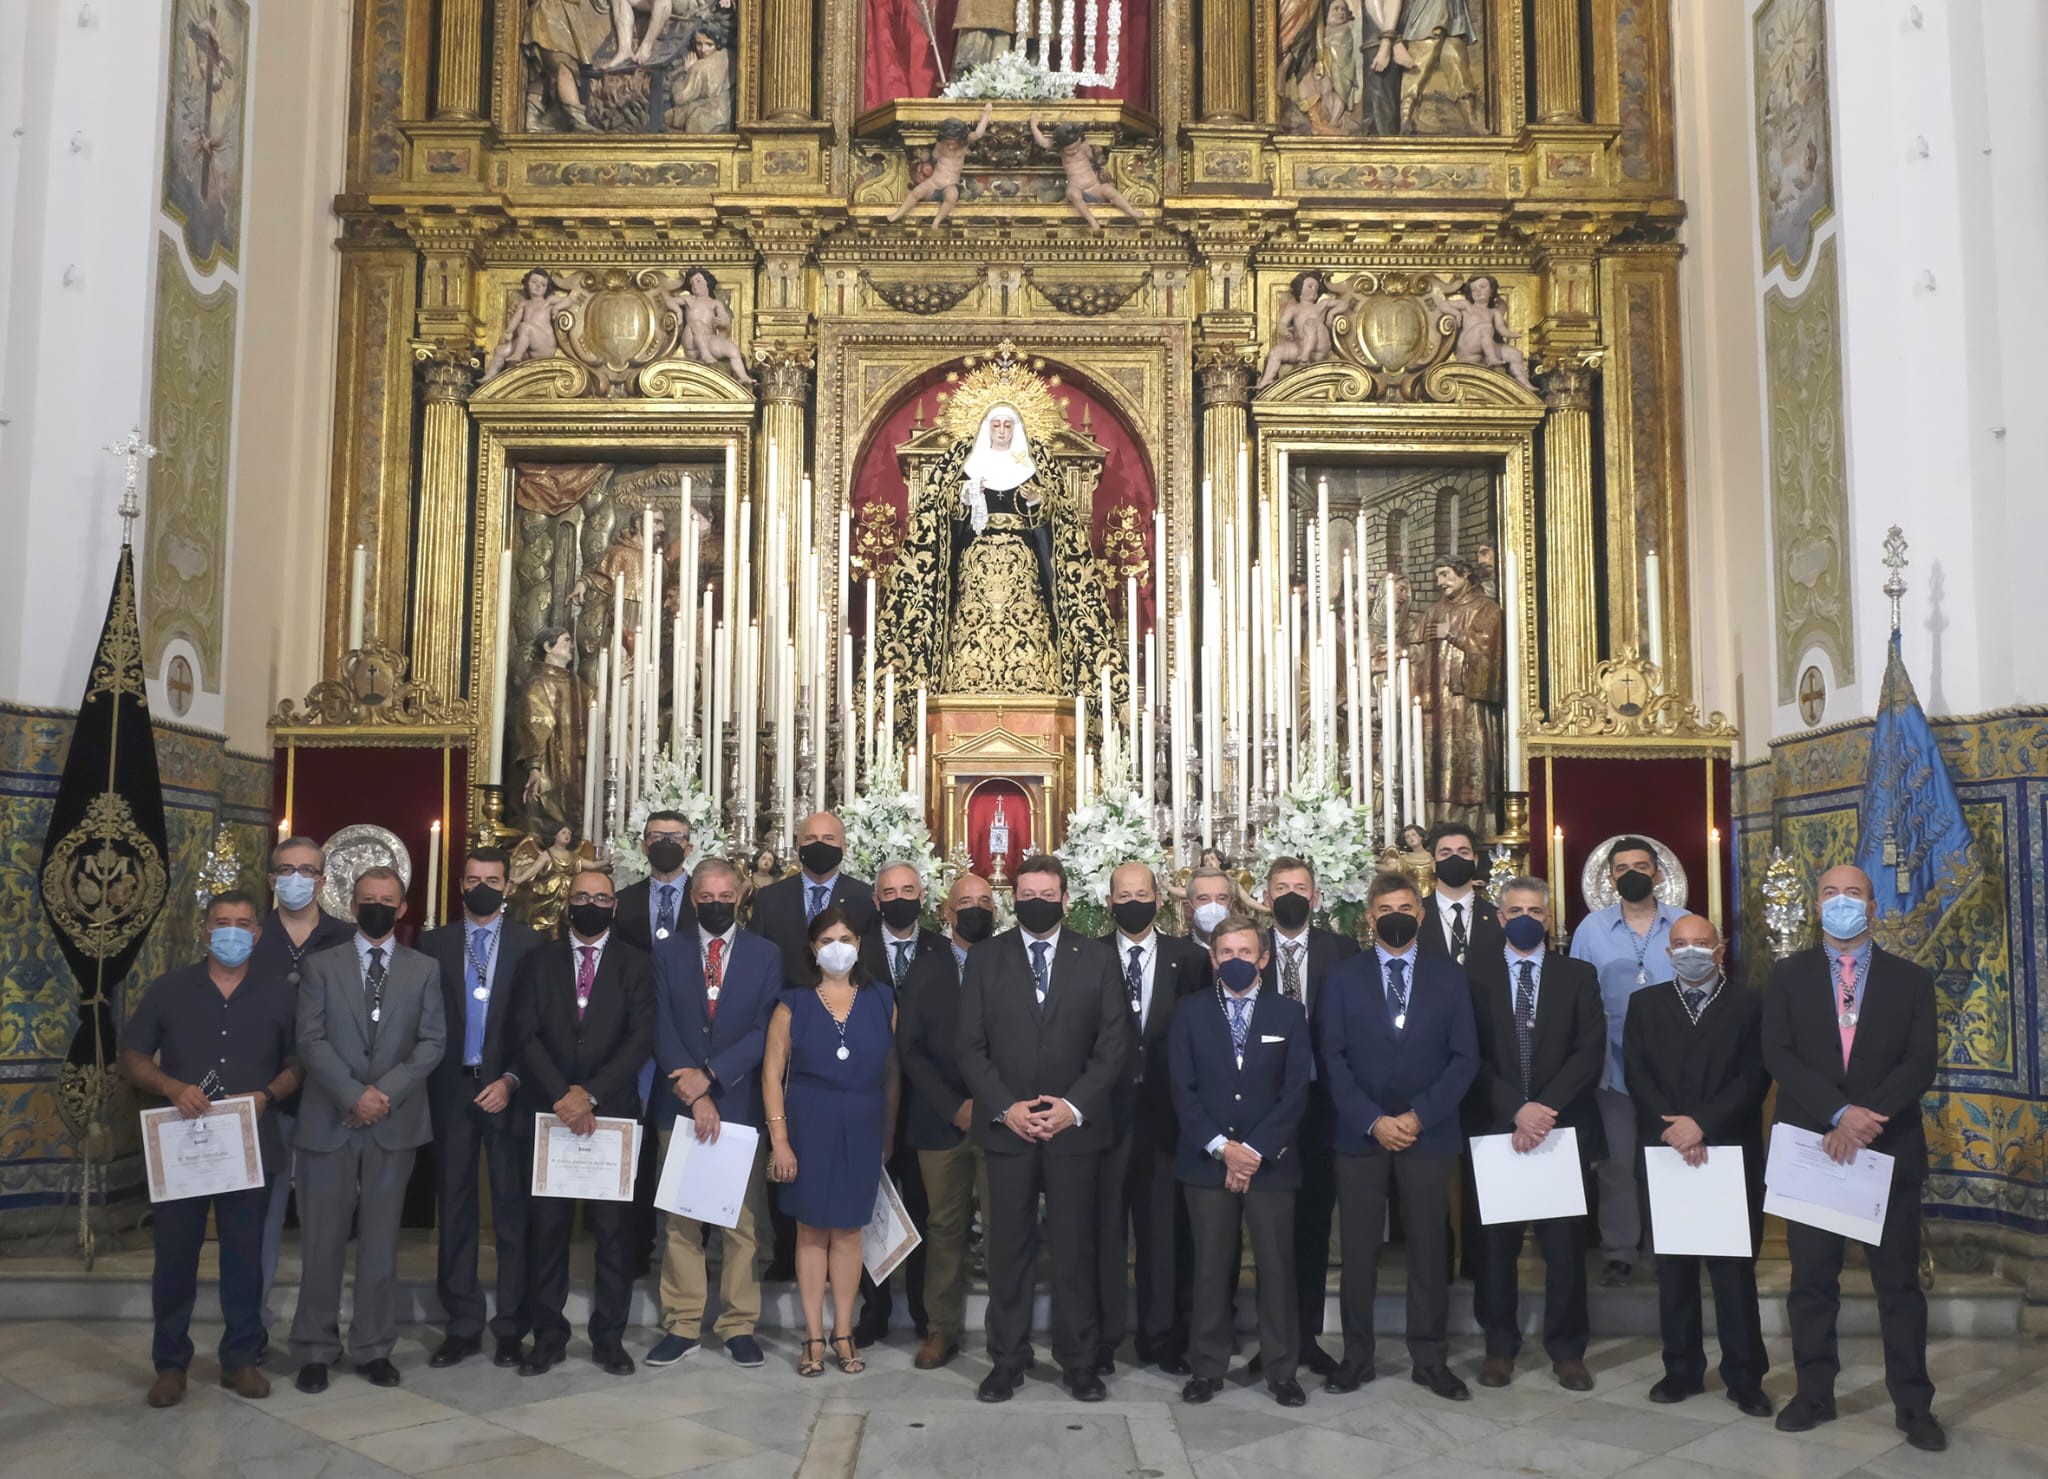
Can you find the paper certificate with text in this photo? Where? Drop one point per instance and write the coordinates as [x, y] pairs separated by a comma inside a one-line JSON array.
[[888, 1238], [1803, 1183], [214, 1153], [597, 1167], [707, 1180]]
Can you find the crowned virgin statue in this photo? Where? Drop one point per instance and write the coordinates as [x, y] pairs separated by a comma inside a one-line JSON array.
[[995, 589]]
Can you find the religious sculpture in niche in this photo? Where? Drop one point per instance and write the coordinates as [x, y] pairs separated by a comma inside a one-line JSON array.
[[629, 66], [948, 158], [707, 325], [1465, 684], [548, 737], [999, 48], [529, 327], [1483, 336], [1083, 163], [1350, 68], [1302, 335]]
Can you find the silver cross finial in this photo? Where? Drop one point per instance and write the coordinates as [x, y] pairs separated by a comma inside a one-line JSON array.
[[1895, 561], [135, 451]]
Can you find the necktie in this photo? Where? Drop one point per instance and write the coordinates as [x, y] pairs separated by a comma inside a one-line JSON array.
[[1694, 999], [1458, 933], [714, 978], [819, 896], [1240, 1023], [1525, 1018], [1847, 968], [1397, 992], [586, 973], [1038, 950], [666, 919], [1134, 980], [373, 986], [901, 965], [1290, 971]]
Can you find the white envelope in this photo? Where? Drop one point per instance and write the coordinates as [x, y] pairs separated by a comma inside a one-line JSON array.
[[707, 1182]]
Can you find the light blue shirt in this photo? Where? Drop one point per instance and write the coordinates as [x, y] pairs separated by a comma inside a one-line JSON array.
[[1625, 962], [681, 884], [479, 946], [1387, 958]]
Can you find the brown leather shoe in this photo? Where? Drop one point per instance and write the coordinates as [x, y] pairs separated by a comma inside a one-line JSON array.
[[936, 1351], [245, 1381], [1572, 1375], [1496, 1371], [168, 1390]]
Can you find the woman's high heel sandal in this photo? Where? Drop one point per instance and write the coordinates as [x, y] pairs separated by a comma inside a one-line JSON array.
[[808, 1364], [850, 1360]]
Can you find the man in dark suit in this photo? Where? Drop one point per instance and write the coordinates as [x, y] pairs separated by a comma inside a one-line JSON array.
[[1139, 1194], [1850, 1036], [715, 988], [584, 1022], [1456, 917], [938, 1112], [655, 909], [470, 1095], [1397, 1050], [887, 953], [1043, 1033], [1692, 1050], [1542, 1041], [1239, 1068], [1302, 956]]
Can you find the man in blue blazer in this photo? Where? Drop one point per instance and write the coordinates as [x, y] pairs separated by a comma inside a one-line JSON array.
[[1396, 1049], [1240, 1065], [715, 987]]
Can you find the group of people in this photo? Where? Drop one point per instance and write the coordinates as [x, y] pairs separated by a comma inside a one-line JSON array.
[[1167, 1098]]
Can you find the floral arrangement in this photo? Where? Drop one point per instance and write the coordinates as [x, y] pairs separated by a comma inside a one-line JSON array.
[[1114, 828], [1318, 820], [671, 785], [1010, 75], [887, 825]]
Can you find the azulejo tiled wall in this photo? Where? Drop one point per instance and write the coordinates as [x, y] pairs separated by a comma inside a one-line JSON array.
[[204, 785], [1988, 1115]]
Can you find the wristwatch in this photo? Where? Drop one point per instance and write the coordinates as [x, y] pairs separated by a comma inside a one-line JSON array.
[[269, 1099]]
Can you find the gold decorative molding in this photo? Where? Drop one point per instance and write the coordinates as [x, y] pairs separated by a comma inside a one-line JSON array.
[[785, 373], [1626, 707], [922, 296], [373, 696]]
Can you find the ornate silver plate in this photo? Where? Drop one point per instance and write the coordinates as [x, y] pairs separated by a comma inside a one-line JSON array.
[[1596, 884], [349, 852]]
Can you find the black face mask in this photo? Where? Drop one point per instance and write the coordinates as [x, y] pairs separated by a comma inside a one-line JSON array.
[[590, 920], [376, 920], [1136, 916], [483, 900], [665, 855], [974, 924], [1396, 930], [901, 914], [1634, 887], [1290, 911], [820, 858], [1040, 916], [715, 915], [1455, 871]]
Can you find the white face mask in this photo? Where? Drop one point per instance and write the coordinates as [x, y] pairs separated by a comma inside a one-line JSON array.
[[837, 957], [1208, 916]]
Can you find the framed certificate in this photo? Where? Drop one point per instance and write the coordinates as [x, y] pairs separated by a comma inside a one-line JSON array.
[[890, 1237], [205, 1156], [597, 1167]]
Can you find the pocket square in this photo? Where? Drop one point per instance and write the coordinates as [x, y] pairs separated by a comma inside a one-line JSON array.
[[1269, 1037]]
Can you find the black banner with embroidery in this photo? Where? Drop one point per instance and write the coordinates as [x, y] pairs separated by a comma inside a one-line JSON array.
[[105, 871]]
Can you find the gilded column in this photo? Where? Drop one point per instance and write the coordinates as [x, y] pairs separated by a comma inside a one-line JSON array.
[[785, 375], [1559, 88], [1227, 41], [1568, 526], [441, 553], [1225, 377], [458, 83], [788, 61]]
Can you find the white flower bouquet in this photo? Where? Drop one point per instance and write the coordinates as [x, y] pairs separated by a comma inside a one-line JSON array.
[[1114, 828], [672, 785], [1317, 820], [1010, 75], [887, 825]]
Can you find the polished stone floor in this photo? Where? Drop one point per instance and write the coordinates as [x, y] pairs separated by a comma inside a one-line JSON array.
[[71, 1405]]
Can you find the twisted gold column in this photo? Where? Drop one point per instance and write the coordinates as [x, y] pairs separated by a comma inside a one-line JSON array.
[[787, 62], [1226, 54], [441, 553], [1568, 507], [1559, 91], [458, 86]]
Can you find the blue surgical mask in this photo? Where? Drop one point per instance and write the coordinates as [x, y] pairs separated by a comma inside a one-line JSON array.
[[1237, 975], [295, 890], [1844, 917], [1524, 931], [230, 944]]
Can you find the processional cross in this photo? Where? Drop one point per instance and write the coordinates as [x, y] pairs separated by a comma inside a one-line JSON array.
[[133, 450]]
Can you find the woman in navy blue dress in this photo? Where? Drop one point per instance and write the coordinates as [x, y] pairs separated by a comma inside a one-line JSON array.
[[830, 1083]]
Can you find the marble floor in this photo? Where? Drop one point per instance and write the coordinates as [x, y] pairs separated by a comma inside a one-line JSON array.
[[71, 1405]]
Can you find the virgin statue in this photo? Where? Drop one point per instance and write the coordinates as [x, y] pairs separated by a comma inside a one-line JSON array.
[[995, 589], [547, 738]]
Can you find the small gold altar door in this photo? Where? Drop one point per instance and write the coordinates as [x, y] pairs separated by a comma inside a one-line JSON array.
[[1024, 739]]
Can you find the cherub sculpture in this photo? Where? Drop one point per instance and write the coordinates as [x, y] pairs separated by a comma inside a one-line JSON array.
[[949, 158], [707, 325], [530, 329], [1483, 335], [1302, 334], [1085, 184]]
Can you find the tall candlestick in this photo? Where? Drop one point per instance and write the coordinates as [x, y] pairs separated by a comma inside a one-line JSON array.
[[434, 874], [707, 707], [590, 769], [358, 584], [1653, 604], [1390, 761], [1351, 746], [1107, 743], [1418, 805], [887, 739], [923, 728], [506, 667], [284, 828], [849, 744], [1131, 659], [1557, 909], [868, 665], [1080, 748], [1714, 876]]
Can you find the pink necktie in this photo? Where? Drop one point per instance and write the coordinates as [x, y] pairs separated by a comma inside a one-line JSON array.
[[586, 973], [1848, 967]]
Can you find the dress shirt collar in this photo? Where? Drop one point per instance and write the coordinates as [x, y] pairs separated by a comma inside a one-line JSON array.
[[1052, 939], [959, 957], [1407, 959], [578, 944], [705, 937], [1147, 942], [471, 929], [1282, 939], [678, 880], [364, 944], [908, 937], [1249, 998], [1859, 960], [829, 882], [1665, 916], [1445, 899], [1515, 958]]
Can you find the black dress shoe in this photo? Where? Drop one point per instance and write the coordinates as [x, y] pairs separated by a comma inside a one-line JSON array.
[[1000, 1385], [1922, 1431], [539, 1361], [779, 1273], [312, 1377], [509, 1350], [613, 1359], [1316, 1359], [1347, 1379], [1803, 1414], [1173, 1363], [1673, 1389], [453, 1349], [1105, 1363], [1443, 1381], [1289, 1394], [1751, 1401], [1200, 1389], [379, 1373], [1086, 1386], [867, 1331]]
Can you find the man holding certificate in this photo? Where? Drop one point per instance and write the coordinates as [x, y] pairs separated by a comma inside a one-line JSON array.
[[208, 1031], [1849, 1034], [583, 1019], [1542, 1042], [1693, 1052]]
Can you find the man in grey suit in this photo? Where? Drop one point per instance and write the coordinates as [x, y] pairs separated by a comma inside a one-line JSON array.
[[371, 1028]]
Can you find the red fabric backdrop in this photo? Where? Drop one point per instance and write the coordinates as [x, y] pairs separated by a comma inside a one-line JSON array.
[[398, 789], [900, 64], [981, 810]]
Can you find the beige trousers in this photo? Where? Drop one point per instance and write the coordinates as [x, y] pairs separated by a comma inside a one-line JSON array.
[[684, 1283], [953, 1179]]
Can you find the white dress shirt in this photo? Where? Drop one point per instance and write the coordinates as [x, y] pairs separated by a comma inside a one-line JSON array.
[[1445, 903]]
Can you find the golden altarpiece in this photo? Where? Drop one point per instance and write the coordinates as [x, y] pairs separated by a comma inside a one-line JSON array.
[[576, 295]]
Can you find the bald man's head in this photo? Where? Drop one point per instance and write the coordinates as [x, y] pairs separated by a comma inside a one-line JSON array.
[[1694, 929], [1845, 878]]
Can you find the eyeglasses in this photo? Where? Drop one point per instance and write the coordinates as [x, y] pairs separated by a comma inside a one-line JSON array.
[[593, 898], [683, 837], [303, 870]]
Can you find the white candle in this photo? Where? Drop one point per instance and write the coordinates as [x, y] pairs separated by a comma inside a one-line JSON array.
[[685, 696], [1418, 776], [284, 829], [1390, 752], [1653, 604], [887, 740], [358, 584], [590, 782], [1149, 741], [918, 776], [849, 767], [868, 667], [1351, 674], [1106, 747], [729, 570], [1131, 658], [434, 874], [506, 667], [720, 709], [785, 736]]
